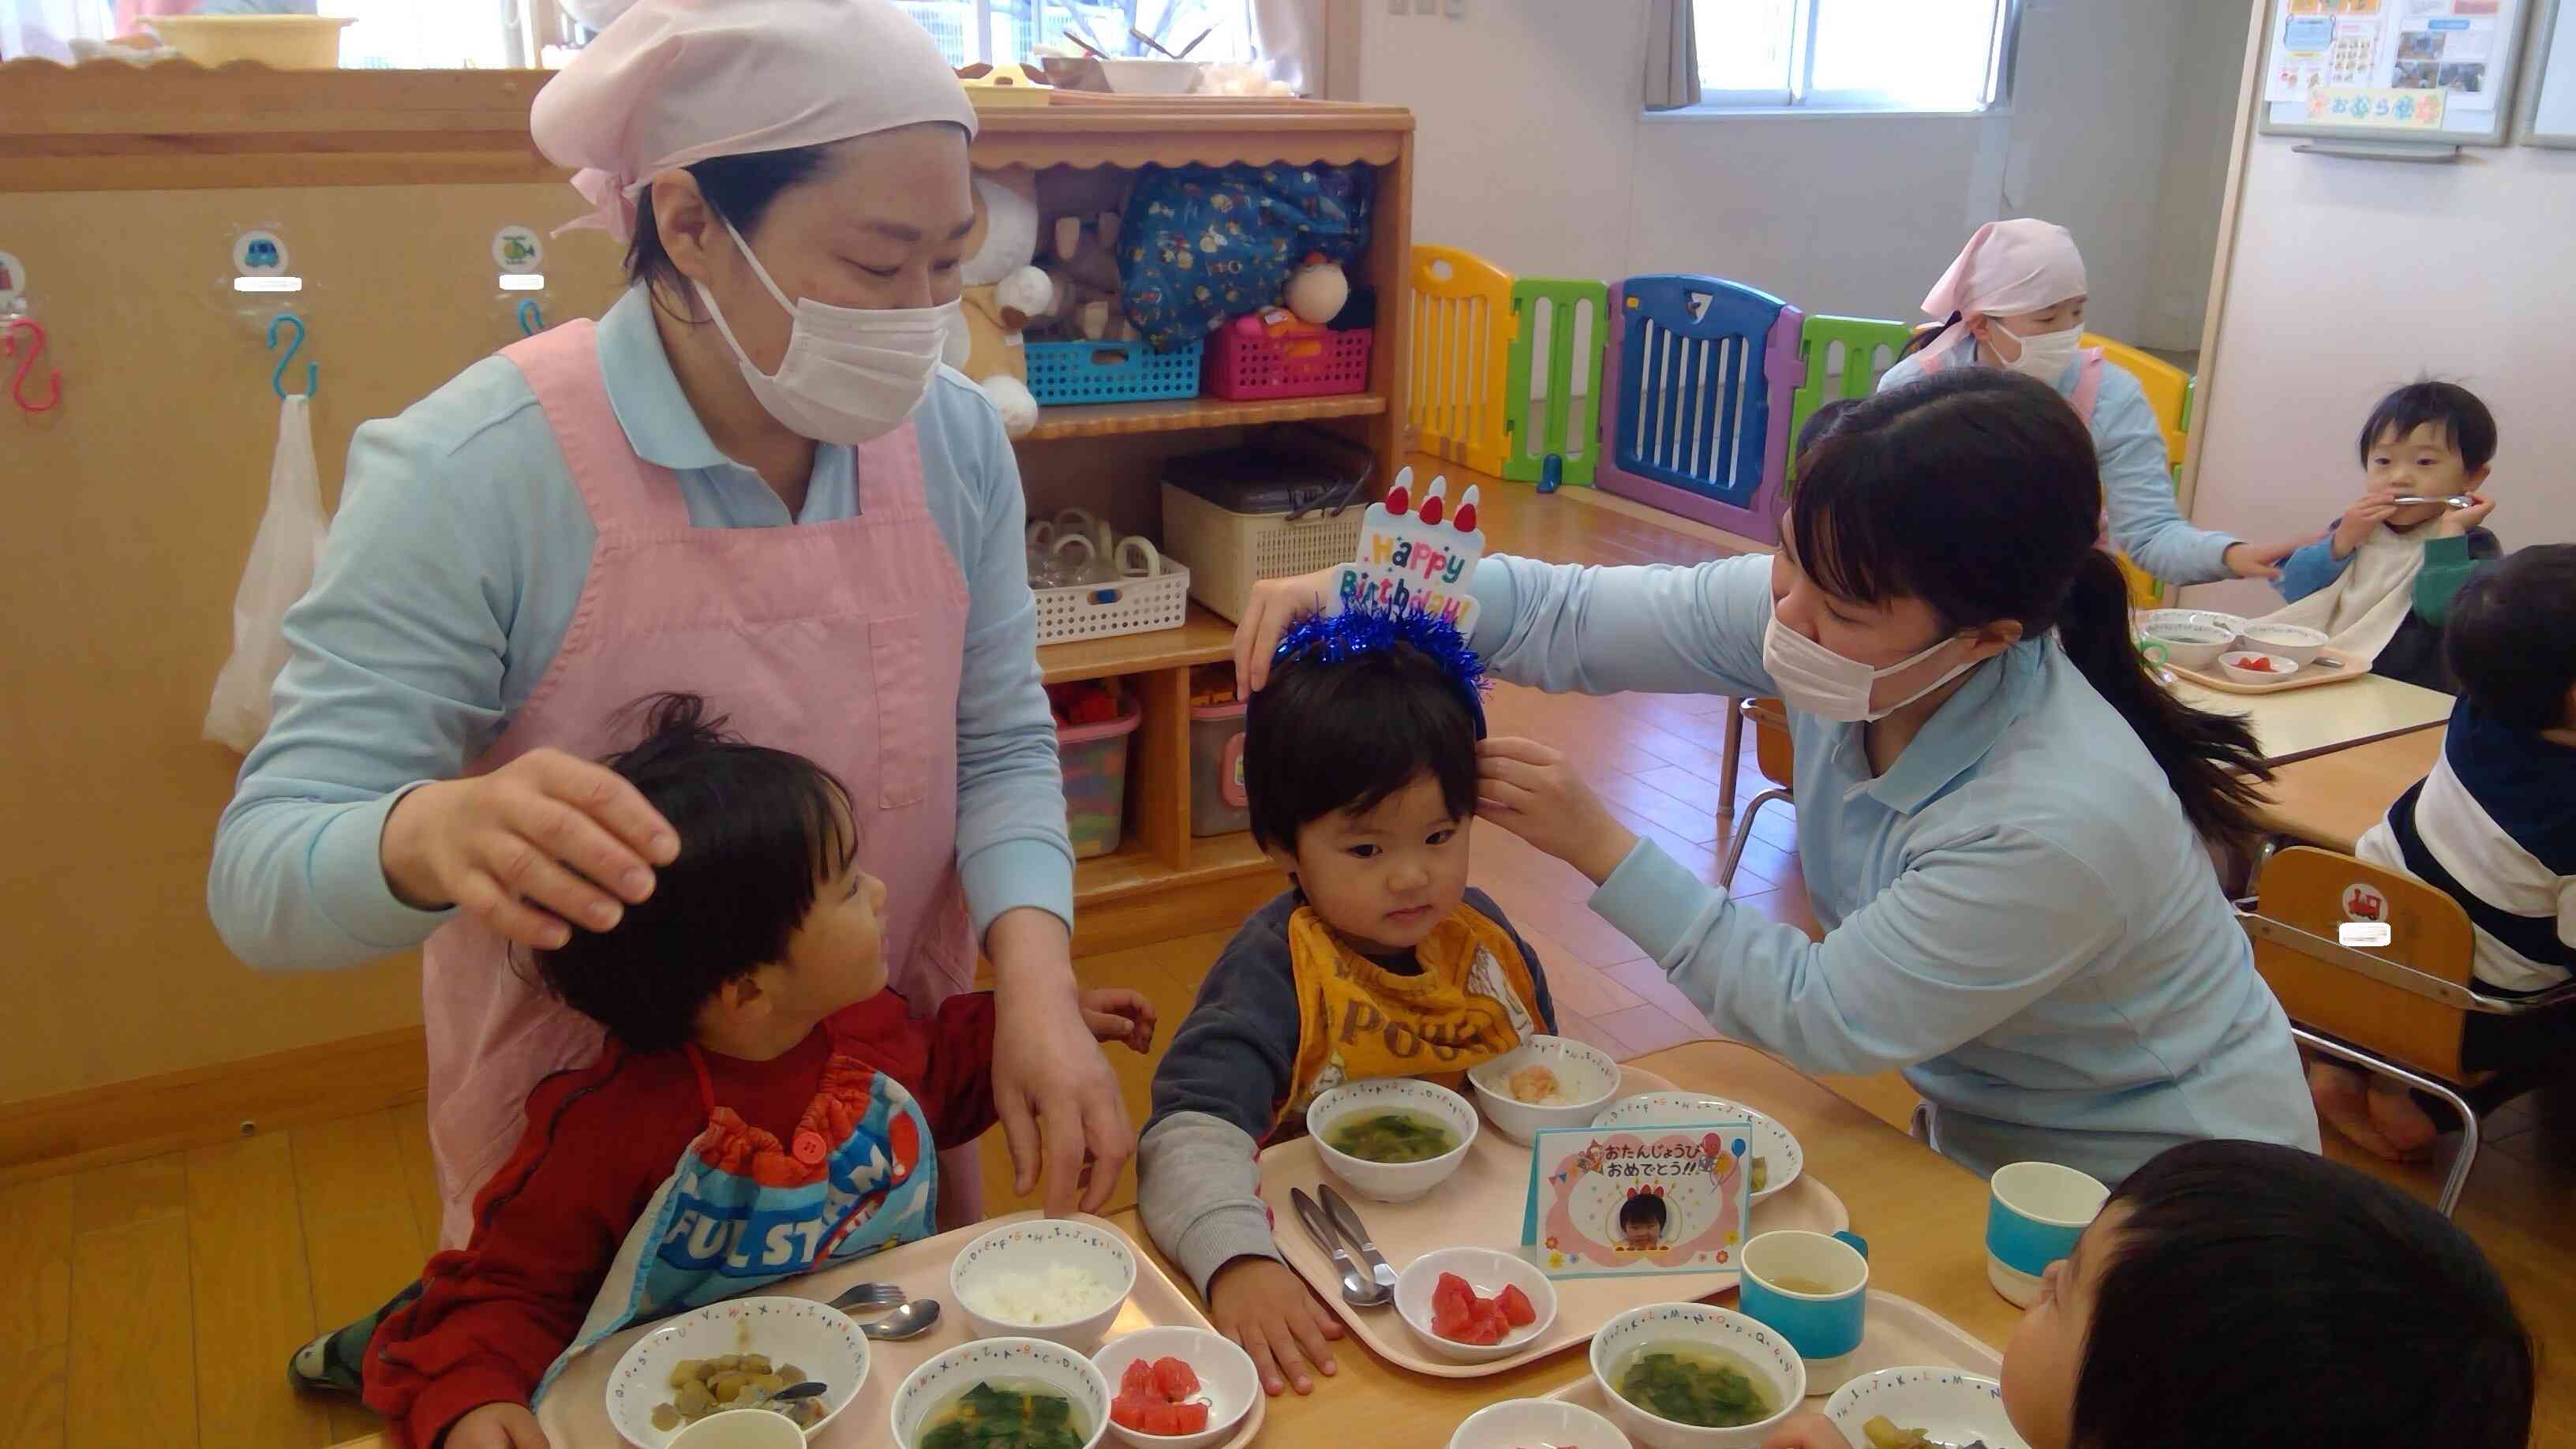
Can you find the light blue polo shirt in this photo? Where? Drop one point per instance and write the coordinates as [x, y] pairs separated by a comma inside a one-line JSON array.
[[2017, 915], [458, 553]]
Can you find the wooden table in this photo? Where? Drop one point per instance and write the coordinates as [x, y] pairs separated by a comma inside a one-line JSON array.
[[2298, 723], [2330, 799], [1924, 1218]]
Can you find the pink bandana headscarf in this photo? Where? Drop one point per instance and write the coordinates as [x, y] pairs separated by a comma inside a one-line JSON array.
[[2022, 265], [674, 82]]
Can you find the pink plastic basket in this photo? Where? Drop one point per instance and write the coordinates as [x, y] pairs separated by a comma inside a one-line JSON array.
[[1241, 368]]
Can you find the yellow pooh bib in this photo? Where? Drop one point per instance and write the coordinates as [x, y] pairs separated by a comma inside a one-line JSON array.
[[1474, 999]]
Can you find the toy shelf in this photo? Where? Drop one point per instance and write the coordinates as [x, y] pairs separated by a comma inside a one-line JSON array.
[[1108, 459]]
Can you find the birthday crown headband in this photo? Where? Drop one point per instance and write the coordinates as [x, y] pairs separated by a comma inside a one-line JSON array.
[[1409, 585]]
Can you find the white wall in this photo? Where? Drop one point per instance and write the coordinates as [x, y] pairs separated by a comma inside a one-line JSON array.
[[1533, 153], [2351, 277], [2199, 124]]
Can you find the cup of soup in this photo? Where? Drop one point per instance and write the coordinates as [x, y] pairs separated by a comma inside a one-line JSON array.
[[1810, 1288]]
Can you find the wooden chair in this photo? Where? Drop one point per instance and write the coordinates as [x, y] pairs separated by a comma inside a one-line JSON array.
[[1775, 754], [2401, 1011]]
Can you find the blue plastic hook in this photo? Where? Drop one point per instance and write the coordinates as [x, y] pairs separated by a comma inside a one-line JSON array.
[[532, 319], [312, 371]]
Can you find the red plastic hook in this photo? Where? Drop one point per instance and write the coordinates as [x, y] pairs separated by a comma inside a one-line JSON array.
[[27, 365]]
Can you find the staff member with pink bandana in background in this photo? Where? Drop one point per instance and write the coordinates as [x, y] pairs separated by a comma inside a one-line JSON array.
[[2015, 299], [751, 480]]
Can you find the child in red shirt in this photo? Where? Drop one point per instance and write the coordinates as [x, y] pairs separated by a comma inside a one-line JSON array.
[[752, 1042]]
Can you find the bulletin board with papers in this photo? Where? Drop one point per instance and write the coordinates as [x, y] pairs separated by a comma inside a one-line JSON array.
[[2392, 70]]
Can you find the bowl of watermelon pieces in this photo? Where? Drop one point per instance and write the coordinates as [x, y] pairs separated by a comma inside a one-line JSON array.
[[1474, 1305], [1177, 1388]]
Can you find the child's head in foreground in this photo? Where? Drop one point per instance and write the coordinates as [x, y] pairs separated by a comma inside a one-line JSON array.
[[762, 927], [2246, 1293], [2511, 639], [2429, 439], [1360, 774]]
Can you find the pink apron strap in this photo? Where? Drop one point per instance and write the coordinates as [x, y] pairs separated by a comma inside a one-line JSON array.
[[2088, 384], [889, 474], [624, 492]]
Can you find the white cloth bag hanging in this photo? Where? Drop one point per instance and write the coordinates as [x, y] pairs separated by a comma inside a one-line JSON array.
[[282, 559]]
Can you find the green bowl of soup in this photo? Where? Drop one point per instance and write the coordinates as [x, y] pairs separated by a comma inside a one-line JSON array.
[[1393, 1139], [1691, 1376]]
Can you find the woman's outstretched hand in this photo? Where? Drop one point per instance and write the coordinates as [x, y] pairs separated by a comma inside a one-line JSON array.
[[1531, 790], [539, 846], [1275, 604]]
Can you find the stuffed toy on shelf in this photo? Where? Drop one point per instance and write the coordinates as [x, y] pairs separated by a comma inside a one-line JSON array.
[[1005, 292]]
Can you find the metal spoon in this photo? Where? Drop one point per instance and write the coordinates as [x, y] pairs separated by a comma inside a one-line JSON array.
[[910, 1321]]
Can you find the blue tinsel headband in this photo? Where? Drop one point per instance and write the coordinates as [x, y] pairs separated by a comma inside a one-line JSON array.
[[1374, 629]]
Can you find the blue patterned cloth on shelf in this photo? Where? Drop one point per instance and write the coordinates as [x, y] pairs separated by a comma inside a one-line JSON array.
[[1205, 243]]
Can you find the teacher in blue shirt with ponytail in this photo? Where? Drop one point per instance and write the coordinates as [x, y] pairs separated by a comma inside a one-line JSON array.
[[2000, 815]]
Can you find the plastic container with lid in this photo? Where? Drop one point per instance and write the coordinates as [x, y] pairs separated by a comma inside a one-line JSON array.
[[283, 42], [1094, 760], [1217, 804]]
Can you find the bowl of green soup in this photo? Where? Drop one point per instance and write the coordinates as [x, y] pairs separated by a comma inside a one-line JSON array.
[[1391, 1139], [1689, 1376], [1003, 1393]]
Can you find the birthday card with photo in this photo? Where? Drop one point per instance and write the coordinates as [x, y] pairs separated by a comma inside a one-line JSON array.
[[1637, 1200]]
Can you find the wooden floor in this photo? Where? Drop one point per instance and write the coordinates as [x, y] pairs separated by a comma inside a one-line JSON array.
[[163, 1297]]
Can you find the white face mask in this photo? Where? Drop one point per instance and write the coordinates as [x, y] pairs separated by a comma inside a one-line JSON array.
[[2046, 355], [1827, 685], [850, 373]]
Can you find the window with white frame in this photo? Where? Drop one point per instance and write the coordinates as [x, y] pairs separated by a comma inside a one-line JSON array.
[[1890, 55], [1005, 31]]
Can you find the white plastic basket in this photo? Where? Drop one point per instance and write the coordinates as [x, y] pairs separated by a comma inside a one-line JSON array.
[[1229, 552], [1129, 606]]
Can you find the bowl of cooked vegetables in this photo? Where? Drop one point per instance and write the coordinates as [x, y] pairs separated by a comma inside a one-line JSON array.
[[1049, 1278], [1915, 1408], [1690, 1376], [1391, 1139], [1546, 1081], [1777, 1157], [734, 1355], [1003, 1393]]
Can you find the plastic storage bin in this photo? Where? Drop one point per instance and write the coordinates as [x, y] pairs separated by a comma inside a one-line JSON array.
[[1105, 372], [1217, 805], [1094, 759], [281, 42], [1231, 548], [1243, 369]]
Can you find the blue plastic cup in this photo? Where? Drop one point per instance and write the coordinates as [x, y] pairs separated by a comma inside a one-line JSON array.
[[1810, 1288], [2034, 1213]]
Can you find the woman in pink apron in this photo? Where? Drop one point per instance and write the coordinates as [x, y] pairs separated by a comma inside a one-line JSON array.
[[2015, 299], [752, 481]]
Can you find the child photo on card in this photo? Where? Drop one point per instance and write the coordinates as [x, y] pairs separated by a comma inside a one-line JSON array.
[[1643, 1200]]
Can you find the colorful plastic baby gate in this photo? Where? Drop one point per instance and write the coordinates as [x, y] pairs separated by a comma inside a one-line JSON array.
[[1461, 339], [1697, 397], [1870, 346], [1552, 407]]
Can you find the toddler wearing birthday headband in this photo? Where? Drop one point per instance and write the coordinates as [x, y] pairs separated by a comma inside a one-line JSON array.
[[1359, 764]]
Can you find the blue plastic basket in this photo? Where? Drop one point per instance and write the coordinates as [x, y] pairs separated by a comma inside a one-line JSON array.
[[1102, 372]]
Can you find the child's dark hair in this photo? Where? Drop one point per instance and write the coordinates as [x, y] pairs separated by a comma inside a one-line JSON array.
[[2465, 422], [1643, 1210], [1323, 737], [758, 829], [1977, 491], [1820, 423], [2258, 1294], [2511, 640]]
